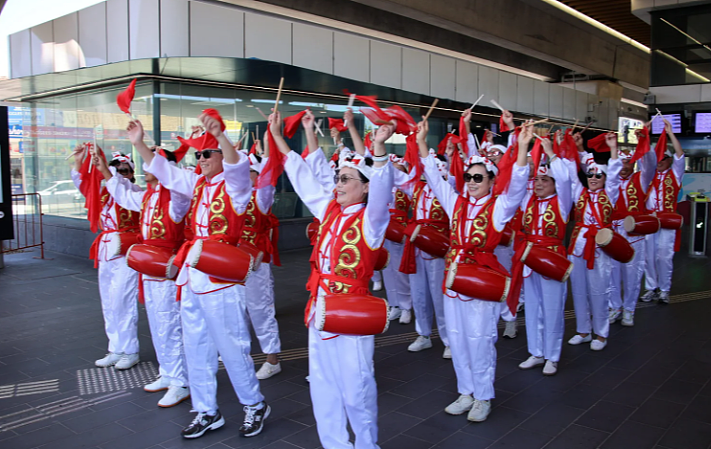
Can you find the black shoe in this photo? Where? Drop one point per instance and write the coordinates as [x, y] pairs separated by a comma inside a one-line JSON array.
[[202, 423], [254, 417]]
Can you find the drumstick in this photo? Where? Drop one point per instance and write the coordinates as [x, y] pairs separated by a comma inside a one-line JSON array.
[[434, 103], [497, 105], [539, 121], [281, 84], [239, 142], [478, 145], [318, 127], [254, 137], [551, 128], [586, 127], [351, 100], [574, 125], [262, 113], [477, 101]]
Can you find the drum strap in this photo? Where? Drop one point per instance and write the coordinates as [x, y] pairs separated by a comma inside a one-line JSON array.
[[94, 250]]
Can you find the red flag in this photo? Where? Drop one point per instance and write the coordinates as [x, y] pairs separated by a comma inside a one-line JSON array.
[[463, 139], [90, 187], [598, 144], [643, 146], [216, 115], [338, 124], [291, 124], [505, 167], [274, 166], [661, 146], [181, 151], [569, 149], [456, 169], [503, 127], [368, 141], [376, 116], [405, 124], [536, 154], [204, 142], [124, 99], [412, 157]]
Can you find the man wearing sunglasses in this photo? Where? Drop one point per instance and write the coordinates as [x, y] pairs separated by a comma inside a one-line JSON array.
[[213, 312], [663, 198]]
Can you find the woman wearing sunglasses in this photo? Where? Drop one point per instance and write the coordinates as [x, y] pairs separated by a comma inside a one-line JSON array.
[[590, 278], [477, 218]]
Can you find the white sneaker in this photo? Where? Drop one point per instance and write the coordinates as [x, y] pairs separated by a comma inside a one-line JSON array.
[[664, 297], [421, 343], [462, 405], [377, 286], [648, 296], [127, 361], [628, 318], [109, 359], [268, 370], [615, 315], [597, 345], [159, 384], [480, 411], [174, 396], [405, 316], [395, 313], [577, 339], [510, 329], [519, 307], [532, 362], [307, 379], [550, 369], [447, 353]]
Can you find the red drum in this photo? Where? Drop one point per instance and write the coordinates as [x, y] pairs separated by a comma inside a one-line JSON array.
[[547, 262], [311, 231], [429, 240], [120, 242], [383, 259], [352, 314], [253, 251], [641, 224], [670, 220], [507, 236], [152, 261], [479, 282], [395, 232], [221, 260], [614, 245]]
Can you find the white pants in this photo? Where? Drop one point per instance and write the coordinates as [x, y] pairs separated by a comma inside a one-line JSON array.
[[343, 390], [397, 283], [377, 276], [629, 274], [217, 322], [471, 327], [505, 255], [545, 320], [660, 260], [260, 307], [591, 294], [163, 311], [427, 296], [118, 288]]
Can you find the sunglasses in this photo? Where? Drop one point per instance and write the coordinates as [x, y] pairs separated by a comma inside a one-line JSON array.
[[477, 178], [595, 175], [206, 153], [124, 171], [344, 179]]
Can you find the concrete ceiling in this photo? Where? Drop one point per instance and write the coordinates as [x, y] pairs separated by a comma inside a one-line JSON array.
[[617, 14]]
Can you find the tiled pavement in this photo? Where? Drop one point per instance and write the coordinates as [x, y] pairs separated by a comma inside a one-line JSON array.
[[650, 388]]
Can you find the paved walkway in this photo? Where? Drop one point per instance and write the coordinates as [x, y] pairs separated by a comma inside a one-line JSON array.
[[650, 388]]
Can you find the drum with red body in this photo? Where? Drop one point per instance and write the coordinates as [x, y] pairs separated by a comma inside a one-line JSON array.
[[614, 245], [253, 251], [352, 314], [395, 231], [670, 220], [507, 236], [428, 239], [382, 260], [221, 260], [641, 224], [312, 231], [152, 260], [119, 243], [547, 262], [479, 282]]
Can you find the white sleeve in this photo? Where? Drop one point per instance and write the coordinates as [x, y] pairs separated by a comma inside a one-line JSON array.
[[678, 166], [173, 178], [179, 206], [473, 148], [121, 190], [402, 179], [237, 183], [318, 164], [377, 216], [265, 198], [76, 178], [561, 175], [315, 196], [576, 187], [444, 192], [508, 202], [612, 180], [648, 168]]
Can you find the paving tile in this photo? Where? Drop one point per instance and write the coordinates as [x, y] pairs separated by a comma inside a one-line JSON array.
[[630, 393], [552, 419], [633, 435], [677, 391], [142, 440], [394, 424], [463, 440], [420, 386], [522, 438], [500, 422], [427, 405], [605, 416], [582, 396], [687, 434], [38, 438], [534, 398], [306, 439], [121, 411], [406, 441], [273, 431], [656, 412], [578, 437], [698, 410], [90, 438], [437, 427]]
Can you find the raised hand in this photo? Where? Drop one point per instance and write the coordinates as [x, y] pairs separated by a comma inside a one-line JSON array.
[[135, 132], [508, 118], [422, 129], [383, 133], [212, 125], [349, 118], [275, 123], [307, 121], [526, 135]]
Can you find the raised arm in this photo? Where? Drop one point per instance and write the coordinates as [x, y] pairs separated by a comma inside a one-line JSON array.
[[173, 178], [560, 174], [678, 163], [377, 216], [358, 145], [443, 190], [614, 165], [510, 200], [135, 135]]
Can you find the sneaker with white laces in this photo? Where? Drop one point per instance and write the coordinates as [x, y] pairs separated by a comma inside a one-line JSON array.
[[628, 318], [663, 297], [395, 313], [615, 315], [532, 362], [447, 353], [480, 411], [377, 286], [159, 384], [174, 396], [597, 345], [510, 329], [127, 361], [109, 359], [462, 405], [406, 316], [268, 370], [550, 368], [648, 296], [421, 343], [254, 416], [202, 423], [578, 339]]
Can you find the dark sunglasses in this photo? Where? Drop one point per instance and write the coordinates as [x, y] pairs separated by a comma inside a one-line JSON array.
[[206, 153], [343, 179], [477, 178], [124, 171], [595, 175]]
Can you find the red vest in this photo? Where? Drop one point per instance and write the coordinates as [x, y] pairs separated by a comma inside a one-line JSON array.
[[163, 230], [401, 207], [669, 188], [259, 229], [128, 220], [224, 223], [553, 226], [438, 217], [635, 199], [603, 216]]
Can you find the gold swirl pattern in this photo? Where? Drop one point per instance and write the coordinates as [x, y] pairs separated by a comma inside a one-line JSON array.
[[604, 201], [632, 199], [550, 225], [218, 222], [669, 194], [157, 225]]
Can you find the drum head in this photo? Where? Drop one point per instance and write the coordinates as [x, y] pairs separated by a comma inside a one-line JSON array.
[[629, 224], [194, 254], [320, 313], [113, 246], [604, 237], [451, 274], [415, 232], [171, 271]]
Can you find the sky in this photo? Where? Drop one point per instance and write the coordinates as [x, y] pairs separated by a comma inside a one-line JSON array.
[[18, 15]]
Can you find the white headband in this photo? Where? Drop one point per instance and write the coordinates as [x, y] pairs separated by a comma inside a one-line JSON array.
[[476, 159], [596, 168], [116, 156], [254, 164], [357, 163], [493, 149]]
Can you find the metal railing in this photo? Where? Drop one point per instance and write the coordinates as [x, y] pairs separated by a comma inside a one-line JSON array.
[[27, 221]]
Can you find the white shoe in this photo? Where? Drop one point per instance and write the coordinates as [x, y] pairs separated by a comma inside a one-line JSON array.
[[664, 297], [597, 345], [648, 296], [159, 384], [307, 379], [615, 315], [405, 316], [174, 396], [395, 313], [520, 307], [462, 405], [447, 353], [510, 329], [550, 369], [109, 360], [377, 286], [532, 362], [268, 370], [627, 318], [577, 339], [127, 361], [420, 344], [480, 411]]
